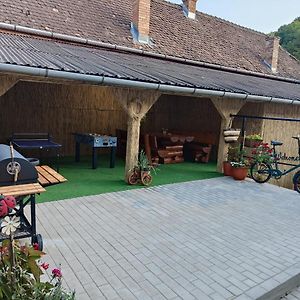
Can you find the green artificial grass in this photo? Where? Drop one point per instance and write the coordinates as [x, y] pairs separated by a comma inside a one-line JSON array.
[[84, 181]]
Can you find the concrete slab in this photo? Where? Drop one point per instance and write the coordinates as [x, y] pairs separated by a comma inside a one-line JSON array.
[[208, 239]]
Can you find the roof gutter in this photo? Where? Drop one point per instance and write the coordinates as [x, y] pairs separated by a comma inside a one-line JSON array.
[[83, 41], [163, 88]]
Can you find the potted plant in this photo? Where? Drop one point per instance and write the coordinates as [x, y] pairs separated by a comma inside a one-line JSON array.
[[141, 173], [240, 168], [232, 156], [253, 140]]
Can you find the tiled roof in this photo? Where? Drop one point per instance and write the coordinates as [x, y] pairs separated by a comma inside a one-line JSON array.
[[207, 38], [48, 54]]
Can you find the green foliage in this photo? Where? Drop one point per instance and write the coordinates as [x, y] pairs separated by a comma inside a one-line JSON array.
[[255, 137], [20, 277], [263, 153], [290, 37], [236, 157], [143, 162], [234, 154]]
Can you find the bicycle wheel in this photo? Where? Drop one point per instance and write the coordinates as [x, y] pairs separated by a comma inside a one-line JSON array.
[[296, 181], [146, 179], [260, 172]]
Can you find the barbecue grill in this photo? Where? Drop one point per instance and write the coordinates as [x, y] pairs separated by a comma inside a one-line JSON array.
[[19, 178], [12, 163]]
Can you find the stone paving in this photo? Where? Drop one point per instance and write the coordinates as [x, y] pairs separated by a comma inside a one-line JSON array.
[[208, 239]]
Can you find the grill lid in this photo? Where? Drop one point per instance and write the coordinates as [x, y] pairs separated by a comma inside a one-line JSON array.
[[8, 167]]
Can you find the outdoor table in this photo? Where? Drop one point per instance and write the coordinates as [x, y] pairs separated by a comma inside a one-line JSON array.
[[96, 141]]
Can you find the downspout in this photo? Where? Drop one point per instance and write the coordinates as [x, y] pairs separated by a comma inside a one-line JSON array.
[[164, 88]]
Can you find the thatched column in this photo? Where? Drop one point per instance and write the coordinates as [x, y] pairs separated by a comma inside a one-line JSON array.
[[136, 104], [225, 107]]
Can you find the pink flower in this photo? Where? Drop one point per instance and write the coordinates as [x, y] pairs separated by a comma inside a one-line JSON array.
[[56, 273], [45, 266]]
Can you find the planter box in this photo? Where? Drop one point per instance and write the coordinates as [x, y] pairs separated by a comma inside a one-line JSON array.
[[227, 169], [252, 143]]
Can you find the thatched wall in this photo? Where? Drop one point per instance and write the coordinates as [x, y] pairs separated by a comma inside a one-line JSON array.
[[182, 113], [274, 130], [60, 110], [283, 131], [63, 109], [252, 126]]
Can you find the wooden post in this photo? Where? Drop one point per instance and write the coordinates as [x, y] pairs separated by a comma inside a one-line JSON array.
[[136, 104], [225, 107]]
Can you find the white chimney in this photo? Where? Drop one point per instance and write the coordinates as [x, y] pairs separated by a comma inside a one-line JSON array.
[[189, 8]]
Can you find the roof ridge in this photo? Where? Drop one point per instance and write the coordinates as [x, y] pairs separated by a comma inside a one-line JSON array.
[[167, 2]]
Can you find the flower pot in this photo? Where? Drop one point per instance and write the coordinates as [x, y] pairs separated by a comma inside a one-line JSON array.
[[239, 173], [227, 169], [252, 143]]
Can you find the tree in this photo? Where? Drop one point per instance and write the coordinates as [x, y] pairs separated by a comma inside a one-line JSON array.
[[290, 37]]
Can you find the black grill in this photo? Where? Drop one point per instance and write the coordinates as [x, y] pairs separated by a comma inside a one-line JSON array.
[[26, 172], [15, 169]]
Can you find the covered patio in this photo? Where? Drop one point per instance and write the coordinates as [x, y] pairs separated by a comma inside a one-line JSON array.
[[90, 86]]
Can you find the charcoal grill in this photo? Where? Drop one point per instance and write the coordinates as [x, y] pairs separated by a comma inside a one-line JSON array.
[[19, 178]]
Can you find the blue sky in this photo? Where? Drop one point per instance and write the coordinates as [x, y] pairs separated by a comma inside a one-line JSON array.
[[261, 15]]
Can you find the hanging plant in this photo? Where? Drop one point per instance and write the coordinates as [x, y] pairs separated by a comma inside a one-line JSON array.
[[231, 134]]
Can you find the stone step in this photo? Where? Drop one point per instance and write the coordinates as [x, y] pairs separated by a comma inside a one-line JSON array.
[[275, 287]]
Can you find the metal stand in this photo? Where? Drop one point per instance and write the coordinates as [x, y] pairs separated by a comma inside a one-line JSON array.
[[27, 229]]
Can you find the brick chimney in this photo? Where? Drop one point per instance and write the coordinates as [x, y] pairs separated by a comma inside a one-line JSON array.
[[275, 53], [189, 8], [141, 21]]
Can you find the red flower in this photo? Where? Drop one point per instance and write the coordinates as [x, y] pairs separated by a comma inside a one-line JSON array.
[[3, 208], [35, 246], [56, 273], [45, 266], [10, 201]]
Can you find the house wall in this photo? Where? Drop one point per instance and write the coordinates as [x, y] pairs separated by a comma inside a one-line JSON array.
[[60, 110]]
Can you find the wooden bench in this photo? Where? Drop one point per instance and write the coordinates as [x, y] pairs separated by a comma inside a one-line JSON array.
[[22, 189], [48, 176]]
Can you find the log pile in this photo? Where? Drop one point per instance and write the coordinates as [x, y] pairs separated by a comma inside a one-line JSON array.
[[171, 154]]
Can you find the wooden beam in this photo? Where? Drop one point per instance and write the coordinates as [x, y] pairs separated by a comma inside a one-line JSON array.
[[7, 82], [225, 107], [136, 103]]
